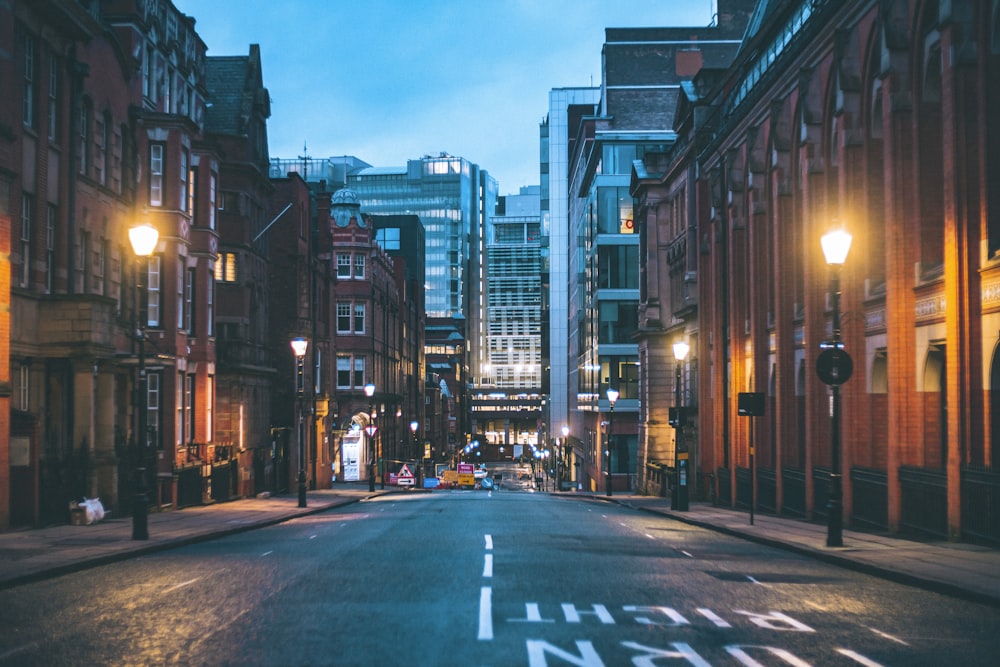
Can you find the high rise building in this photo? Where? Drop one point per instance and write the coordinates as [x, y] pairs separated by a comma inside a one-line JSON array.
[[507, 400], [566, 106], [453, 198]]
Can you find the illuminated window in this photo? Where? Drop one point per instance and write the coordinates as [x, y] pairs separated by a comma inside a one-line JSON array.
[[155, 174], [153, 292], [225, 267]]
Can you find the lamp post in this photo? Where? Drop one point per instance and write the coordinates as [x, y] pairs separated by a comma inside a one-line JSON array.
[[612, 398], [299, 347], [370, 430], [561, 454], [834, 367], [679, 497], [414, 425], [143, 238]]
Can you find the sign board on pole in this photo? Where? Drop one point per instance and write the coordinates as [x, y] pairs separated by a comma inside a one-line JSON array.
[[405, 476]]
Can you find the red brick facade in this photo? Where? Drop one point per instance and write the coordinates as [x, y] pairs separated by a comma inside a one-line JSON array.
[[877, 117]]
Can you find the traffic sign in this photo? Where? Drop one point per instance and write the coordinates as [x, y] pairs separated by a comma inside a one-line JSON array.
[[405, 476]]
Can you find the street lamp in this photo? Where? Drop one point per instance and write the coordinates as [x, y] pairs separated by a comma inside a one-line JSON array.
[[834, 367], [370, 430], [299, 347], [561, 454], [143, 238], [414, 425], [679, 497], [612, 397]]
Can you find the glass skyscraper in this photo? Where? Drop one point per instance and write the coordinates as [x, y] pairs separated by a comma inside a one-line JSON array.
[[453, 199]]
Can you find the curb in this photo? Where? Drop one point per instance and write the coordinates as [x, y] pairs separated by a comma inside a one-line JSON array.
[[833, 558], [145, 549]]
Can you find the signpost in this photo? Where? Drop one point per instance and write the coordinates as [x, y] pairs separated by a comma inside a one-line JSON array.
[[405, 476], [466, 474]]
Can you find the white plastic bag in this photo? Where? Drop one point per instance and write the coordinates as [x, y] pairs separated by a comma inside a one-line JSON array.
[[94, 510]]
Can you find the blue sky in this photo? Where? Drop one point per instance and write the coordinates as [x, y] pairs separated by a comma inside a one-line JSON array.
[[392, 80]]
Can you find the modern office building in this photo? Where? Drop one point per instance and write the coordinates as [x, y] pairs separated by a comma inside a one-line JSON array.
[[566, 106], [333, 171], [507, 398], [453, 198]]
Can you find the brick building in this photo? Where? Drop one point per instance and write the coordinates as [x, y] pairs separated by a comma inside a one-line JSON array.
[[610, 343], [105, 129], [875, 117]]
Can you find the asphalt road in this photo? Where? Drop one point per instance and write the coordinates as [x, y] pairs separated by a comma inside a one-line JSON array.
[[491, 579]]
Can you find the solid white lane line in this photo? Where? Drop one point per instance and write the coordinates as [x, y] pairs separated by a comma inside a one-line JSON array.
[[858, 658], [488, 565], [649, 536], [485, 614], [886, 635], [266, 553], [181, 585], [686, 554], [489, 542]]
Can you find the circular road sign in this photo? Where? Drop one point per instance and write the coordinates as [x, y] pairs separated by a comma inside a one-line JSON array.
[[834, 366]]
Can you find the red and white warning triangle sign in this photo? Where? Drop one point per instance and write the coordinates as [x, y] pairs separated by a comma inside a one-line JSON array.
[[405, 471]]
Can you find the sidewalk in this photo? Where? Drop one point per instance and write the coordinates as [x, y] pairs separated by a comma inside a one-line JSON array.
[[962, 570], [34, 554], [958, 569]]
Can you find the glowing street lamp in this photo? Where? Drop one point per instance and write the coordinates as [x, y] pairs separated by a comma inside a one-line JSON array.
[[143, 238], [834, 367], [612, 398], [559, 458], [370, 430], [299, 347], [679, 497]]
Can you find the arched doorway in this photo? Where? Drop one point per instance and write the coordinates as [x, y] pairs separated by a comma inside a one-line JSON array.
[[936, 408]]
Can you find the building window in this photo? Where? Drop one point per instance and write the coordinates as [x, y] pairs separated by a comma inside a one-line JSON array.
[[101, 148], [152, 408], [350, 372], [84, 138], [29, 81], [343, 372], [388, 238], [181, 301], [185, 184], [343, 318], [24, 384], [225, 267], [343, 265], [53, 113], [153, 292], [27, 204], [50, 248], [212, 197], [147, 74], [210, 306], [156, 174], [101, 268], [359, 318], [189, 302], [359, 267], [192, 195]]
